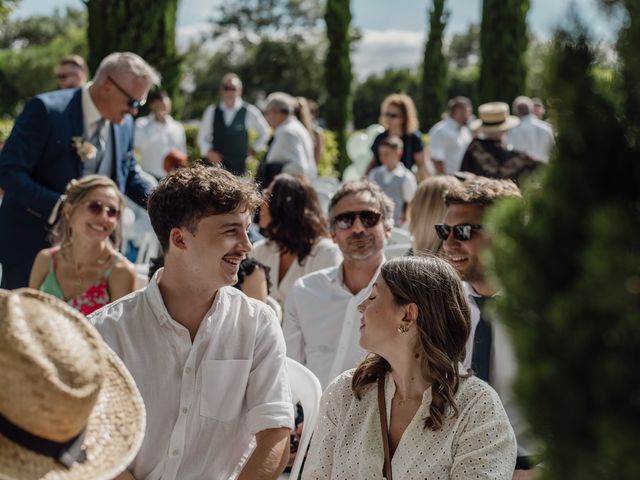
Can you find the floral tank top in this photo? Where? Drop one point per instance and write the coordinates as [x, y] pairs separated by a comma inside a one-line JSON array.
[[95, 297]]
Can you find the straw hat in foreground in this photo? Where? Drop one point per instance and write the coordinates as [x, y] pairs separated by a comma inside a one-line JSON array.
[[494, 117], [69, 409]]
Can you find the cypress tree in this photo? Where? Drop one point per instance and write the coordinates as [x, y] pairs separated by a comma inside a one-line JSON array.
[[338, 75], [145, 27], [503, 43], [570, 272], [434, 68]]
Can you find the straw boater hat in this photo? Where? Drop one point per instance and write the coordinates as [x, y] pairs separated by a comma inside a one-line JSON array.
[[494, 117], [69, 409]]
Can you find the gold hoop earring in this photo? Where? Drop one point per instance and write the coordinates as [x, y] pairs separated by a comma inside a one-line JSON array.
[[403, 329]]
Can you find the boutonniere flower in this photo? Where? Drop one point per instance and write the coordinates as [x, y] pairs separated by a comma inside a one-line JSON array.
[[84, 149]]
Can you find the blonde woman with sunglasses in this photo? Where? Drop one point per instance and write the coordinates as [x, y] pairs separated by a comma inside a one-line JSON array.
[[84, 267]]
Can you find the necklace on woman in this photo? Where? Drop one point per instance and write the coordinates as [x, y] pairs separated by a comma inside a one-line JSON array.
[[76, 267]]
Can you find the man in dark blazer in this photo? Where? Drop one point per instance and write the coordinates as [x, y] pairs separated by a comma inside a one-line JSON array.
[[64, 135]]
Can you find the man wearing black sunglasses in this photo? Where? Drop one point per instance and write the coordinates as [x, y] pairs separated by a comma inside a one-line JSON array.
[[63, 135], [489, 349], [321, 322]]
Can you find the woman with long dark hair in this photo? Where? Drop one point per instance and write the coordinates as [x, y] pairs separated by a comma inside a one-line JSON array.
[[295, 228], [410, 410]]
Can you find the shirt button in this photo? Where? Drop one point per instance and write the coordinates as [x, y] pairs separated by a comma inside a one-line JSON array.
[[184, 410], [175, 453]]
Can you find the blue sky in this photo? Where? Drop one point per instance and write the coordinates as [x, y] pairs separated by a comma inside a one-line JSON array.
[[393, 30]]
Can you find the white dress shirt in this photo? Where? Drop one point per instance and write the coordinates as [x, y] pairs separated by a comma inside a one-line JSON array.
[[448, 141], [322, 323], [503, 369], [324, 253], [154, 140], [532, 136], [292, 143], [253, 121], [91, 115], [205, 400], [347, 442]]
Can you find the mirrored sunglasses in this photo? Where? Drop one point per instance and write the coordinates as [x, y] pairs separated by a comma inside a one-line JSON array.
[[369, 219], [461, 232], [96, 208]]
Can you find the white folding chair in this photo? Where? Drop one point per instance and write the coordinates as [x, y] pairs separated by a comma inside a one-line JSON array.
[[392, 251], [305, 388], [399, 236], [149, 248]]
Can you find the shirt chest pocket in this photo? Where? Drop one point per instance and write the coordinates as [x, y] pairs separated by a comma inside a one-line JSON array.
[[224, 384]]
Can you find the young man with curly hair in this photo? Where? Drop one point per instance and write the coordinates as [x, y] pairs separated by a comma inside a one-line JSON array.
[[209, 361]]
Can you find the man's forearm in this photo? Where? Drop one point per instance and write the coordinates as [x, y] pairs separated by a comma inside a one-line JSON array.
[[270, 456]]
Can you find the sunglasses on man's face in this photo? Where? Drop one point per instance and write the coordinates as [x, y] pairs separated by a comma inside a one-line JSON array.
[[461, 232], [96, 207], [369, 219], [229, 88], [132, 103]]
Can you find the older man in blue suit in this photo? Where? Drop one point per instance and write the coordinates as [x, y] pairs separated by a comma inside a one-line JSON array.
[[64, 135]]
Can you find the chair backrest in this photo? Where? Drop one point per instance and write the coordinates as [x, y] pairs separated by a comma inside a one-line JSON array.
[[149, 248], [305, 388], [392, 251], [399, 236]]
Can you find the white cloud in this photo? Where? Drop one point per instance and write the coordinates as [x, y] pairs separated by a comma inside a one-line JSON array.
[[379, 50]]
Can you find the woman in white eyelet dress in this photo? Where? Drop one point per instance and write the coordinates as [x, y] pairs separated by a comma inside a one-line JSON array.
[[442, 422]]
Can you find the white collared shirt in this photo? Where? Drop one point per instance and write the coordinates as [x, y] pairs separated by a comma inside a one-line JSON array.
[[292, 144], [503, 369], [324, 253], [253, 121], [91, 115], [322, 323], [532, 136], [448, 142], [205, 400], [155, 140]]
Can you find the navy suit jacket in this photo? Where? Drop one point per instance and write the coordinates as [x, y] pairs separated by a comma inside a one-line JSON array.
[[37, 162]]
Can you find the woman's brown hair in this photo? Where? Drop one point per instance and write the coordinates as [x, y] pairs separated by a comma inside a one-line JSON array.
[[402, 102], [443, 325], [75, 193], [297, 219]]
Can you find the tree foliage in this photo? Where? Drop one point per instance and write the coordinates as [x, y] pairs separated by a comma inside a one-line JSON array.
[[254, 20], [337, 73], [37, 45], [570, 272], [145, 27], [503, 43], [370, 93], [434, 68]]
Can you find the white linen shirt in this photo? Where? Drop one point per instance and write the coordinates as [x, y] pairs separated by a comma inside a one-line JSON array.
[[324, 253], [322, 324], [205, 400], [503, 369], [155, 140], [448, 142], [292, 143], [532, 136], [254, 120], [347, 441]]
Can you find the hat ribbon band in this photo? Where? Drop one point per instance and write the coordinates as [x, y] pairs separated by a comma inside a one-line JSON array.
[[490, 124], [65, 453]]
